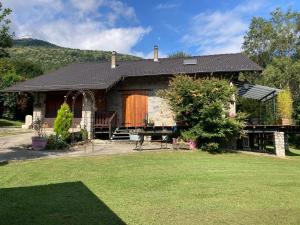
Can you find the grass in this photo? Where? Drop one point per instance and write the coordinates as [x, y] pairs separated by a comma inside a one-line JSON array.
[[10, 123], [152, 188]]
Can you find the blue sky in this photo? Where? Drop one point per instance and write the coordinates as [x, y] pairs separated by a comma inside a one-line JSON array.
[[197, 27]]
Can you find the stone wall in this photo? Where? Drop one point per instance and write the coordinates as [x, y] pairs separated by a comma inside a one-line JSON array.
[[158, 109]]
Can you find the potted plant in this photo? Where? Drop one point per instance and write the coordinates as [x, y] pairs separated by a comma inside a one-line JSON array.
[[284, 107], [190, 138], [39, 142], [150, 123]]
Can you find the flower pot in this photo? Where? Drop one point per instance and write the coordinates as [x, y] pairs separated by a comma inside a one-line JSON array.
[[285, 121], [192, 145], [39, 143]]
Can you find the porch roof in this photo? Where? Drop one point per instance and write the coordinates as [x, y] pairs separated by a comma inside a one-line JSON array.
[[256, 92], [100, 75]]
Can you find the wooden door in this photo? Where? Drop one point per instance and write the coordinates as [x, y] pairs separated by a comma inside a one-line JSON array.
[[135, 108]]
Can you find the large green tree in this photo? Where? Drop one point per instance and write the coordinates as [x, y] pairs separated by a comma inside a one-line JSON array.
[[179, 54], [278, 36], [6, 38], [274, 43], [8, 101], [203, 106], [27, 69], [283, 72]]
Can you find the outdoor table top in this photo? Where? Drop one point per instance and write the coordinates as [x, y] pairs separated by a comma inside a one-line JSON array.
[[162, 132]]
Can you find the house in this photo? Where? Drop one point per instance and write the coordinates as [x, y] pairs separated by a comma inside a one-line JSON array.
[[107, 95]]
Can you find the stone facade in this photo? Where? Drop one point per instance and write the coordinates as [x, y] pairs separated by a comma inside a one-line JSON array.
[[39, 106], [158, 109], [280, 144]]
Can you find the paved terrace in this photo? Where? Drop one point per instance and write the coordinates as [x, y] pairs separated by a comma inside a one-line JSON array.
[[18, 147]]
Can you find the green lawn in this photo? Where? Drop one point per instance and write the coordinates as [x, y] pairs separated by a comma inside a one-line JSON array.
[[152, 188], [10, 123]]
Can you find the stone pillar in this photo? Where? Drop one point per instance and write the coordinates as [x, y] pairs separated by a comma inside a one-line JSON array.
[[28, 122], [39, 106], [279, 144], [87, 120], [232, 107]]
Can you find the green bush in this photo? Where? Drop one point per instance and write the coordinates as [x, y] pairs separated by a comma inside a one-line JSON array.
[[84, 135], [203, 106], [63, 122], [189, 135], [56, 143], [211, 147]]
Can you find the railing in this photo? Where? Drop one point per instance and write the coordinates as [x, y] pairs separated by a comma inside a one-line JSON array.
[[106, 120], [112, 123]]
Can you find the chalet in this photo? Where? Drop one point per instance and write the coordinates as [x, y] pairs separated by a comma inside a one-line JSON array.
[[108, 95]]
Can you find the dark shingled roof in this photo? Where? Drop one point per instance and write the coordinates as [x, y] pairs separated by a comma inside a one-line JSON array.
[[99, 75]]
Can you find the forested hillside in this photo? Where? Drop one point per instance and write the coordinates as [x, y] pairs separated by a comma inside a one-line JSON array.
[[50, 57], [30, 42]]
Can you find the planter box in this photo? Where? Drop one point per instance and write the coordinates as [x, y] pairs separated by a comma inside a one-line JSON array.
[[39, 143]]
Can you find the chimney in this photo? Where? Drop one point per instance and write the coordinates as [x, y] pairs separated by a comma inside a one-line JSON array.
[[113, 59], [155, 53]]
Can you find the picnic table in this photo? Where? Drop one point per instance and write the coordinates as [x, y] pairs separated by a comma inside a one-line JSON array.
[[138, 137]]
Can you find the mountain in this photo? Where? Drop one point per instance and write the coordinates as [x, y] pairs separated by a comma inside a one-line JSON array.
[[51, 57], [30, 42]]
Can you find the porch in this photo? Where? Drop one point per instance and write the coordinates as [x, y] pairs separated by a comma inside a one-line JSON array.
[[108, 113]]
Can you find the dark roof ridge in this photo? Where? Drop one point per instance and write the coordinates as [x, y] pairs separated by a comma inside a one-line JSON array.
[[88, 74], [186, 57], [165, 58]]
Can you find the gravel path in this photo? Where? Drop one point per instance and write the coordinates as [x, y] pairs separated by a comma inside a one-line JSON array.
[[19, 139]]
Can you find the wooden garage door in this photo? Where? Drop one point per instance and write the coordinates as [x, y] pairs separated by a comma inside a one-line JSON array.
[[135, 108]]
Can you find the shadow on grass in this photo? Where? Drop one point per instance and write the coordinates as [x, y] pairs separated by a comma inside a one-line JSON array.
[[222, 151], [63, 204], [8, 123], [292, 153], [3, 163]]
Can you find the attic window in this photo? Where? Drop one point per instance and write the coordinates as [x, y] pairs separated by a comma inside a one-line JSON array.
[[190, 62]]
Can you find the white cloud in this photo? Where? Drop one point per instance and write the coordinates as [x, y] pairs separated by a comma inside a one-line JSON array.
[[214, 32], [150, 54], [163, 6], [87, 6], [89, 24]]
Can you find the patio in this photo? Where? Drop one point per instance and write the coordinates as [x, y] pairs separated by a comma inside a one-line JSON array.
[[18, 147]]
